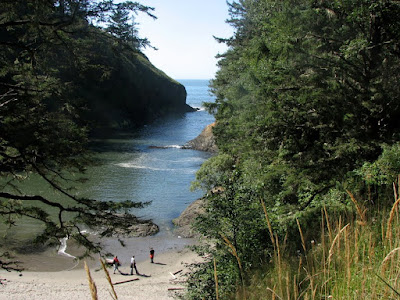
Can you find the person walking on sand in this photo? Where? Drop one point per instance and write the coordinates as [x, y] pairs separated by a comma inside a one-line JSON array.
[[133, 265], [151, 255], [116, 264]]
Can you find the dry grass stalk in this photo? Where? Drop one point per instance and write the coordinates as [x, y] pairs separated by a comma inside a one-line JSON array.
[[279, 262], [268, 223], [300, 265], [234, 253], [388, 258], [314, 292], [356, 237], [398, 186], [274, 294], [391, 217], [301, 236], [92, 285], [295, 288], [337, 237], [360, 210], [328, 225], [383, 234], [233, 250], [307, 259], [323, 245], [216, 279], [371, 246], [339, 225], [113, 294], [348, 260]]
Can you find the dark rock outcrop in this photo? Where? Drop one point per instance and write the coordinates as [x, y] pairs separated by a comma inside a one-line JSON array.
[[204, 141], [185, 220], [144, 229], [141, 229]]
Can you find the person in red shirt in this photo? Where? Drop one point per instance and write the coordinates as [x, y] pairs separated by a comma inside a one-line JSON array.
[[151, 255], [116, 264]]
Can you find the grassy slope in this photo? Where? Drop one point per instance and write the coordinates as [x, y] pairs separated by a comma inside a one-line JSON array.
[[356, 259]]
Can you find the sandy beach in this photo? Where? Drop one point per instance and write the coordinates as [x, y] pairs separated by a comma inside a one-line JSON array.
[[154, 282]]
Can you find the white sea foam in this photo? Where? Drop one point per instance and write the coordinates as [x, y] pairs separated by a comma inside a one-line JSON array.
[[181, 160], [63, 247], [174, 146], [136, 166]]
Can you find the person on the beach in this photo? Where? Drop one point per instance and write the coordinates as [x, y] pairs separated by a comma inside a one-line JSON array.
[[116, 264], [151, 255], [133, 265]]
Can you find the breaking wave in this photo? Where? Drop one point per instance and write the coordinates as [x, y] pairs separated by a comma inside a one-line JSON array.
[[136, 166]]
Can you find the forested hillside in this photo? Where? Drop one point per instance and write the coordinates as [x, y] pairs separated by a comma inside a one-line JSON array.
[[307, 114]]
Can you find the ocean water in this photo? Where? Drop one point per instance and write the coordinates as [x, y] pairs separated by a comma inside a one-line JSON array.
[[133, 167]]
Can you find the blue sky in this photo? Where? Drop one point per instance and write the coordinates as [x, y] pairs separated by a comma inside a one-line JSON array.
[[183, 34]]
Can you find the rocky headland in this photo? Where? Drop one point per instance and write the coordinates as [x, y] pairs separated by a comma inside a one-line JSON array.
[[185, 220], [205, 141]]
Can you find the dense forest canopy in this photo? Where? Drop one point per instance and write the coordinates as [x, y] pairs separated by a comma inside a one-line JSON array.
[[307, 107], [48, 52]]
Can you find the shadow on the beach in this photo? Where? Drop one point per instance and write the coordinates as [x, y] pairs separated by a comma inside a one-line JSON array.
[[124, 274], [158, 263], [137, 274]]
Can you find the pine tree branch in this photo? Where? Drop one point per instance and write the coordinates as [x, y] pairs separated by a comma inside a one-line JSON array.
[[6, 195]]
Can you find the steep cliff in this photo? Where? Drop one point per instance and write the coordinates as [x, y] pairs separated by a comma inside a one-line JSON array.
[[131, 92]]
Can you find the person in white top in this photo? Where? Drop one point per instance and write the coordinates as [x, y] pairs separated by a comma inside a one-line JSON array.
[[133, 265]]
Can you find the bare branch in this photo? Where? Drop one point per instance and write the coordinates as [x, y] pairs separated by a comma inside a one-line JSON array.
[[33, 198]]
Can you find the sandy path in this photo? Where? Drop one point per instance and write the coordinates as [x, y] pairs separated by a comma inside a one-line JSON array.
[[70, 285]]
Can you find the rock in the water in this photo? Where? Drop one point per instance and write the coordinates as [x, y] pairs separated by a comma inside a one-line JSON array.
[[185, 220], [144, 229], [205, 141], [140, 230]]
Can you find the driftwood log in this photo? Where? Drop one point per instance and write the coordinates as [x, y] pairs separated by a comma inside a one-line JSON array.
[[119, 282]]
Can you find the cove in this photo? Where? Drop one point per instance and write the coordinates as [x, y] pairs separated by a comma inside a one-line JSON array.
[[149, 165]]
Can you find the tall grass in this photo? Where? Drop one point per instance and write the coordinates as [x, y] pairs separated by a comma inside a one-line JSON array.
[[92, 284], [355, 260]]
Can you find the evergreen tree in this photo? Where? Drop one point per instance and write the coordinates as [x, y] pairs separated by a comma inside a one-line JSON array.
[[307, 94], [123, 27]]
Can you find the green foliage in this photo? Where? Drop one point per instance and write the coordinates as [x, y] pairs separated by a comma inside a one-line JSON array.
[[123, 27], [47, 57], [384, 170], [307, 99]]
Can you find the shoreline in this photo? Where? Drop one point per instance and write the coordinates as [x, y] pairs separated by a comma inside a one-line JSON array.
[[154, 283], [51, 260]]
